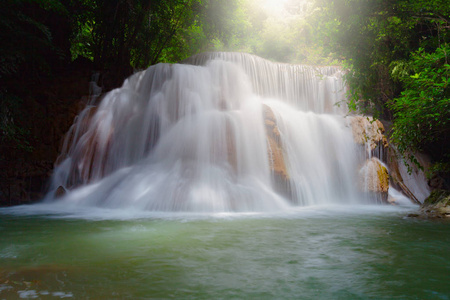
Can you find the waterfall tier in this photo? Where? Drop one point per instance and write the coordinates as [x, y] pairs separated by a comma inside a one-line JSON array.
[[308, 88]]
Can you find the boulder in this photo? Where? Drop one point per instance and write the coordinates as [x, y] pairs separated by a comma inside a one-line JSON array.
[[374, 179], [437, 205], [60, 192]]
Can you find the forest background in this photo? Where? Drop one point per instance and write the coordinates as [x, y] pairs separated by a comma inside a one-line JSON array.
[[395, 53]]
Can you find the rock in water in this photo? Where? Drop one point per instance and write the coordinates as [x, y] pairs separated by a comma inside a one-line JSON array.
[[437, 205], [375, 179], [60, 192]]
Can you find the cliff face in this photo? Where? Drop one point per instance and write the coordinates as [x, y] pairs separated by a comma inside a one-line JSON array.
[[412, 182]]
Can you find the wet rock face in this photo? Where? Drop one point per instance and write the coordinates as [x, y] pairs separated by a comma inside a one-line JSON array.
[[374, 179], [275, 150], [367, 131], [84, 157], [412, 182]]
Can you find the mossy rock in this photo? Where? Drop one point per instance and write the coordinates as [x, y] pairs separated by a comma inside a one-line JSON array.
[[438, 197], [437, 205], [383, 178]]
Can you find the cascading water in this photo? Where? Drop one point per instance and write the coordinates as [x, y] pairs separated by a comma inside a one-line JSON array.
[[220, 132]]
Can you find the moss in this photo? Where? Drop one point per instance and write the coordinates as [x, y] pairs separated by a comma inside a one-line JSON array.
[[383, 178], [438, 197]]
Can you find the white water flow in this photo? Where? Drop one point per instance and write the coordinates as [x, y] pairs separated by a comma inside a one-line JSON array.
[[221, 132]]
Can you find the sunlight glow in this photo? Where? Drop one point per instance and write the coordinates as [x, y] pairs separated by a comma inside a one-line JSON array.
[[274, 5]]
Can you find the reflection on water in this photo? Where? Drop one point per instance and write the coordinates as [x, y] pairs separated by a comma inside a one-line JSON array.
[[363, 252]]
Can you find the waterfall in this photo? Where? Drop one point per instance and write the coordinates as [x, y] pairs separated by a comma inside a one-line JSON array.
[[308, 88], [218, 132]]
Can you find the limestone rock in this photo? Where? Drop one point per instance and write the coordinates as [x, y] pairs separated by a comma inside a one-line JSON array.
[[275, 150], [412, 183], [374, 178], [437, 205], [60, 192], [367, 131]]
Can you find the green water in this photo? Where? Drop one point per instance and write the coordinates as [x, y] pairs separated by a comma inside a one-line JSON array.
[[313, 253]]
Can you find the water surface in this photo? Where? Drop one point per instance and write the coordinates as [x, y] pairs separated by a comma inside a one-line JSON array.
[[363, 252]]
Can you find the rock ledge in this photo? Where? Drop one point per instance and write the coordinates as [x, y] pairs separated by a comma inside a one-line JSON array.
[[437, 205]]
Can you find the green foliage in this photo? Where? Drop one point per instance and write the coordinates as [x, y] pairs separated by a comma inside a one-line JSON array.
[[142, 32], [13, 138], [81, 44], [20, 27], [422, 112]]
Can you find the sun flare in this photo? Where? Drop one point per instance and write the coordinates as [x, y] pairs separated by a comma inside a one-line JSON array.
[[274, 5]]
